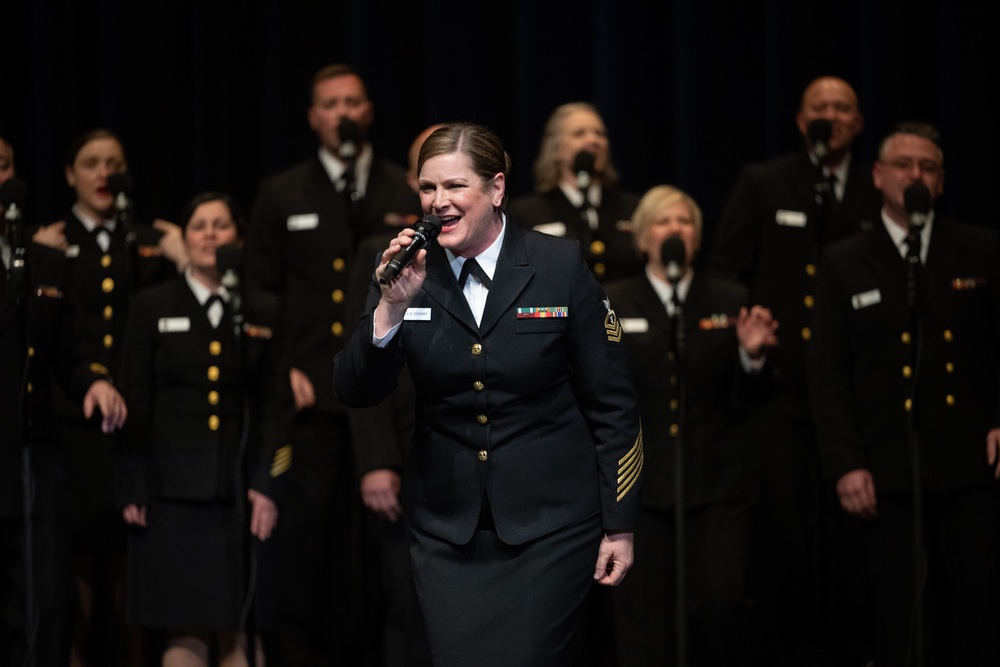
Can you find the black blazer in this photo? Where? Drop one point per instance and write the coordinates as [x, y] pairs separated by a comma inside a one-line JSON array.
[[186, 394], [769, 238], [38, 343], [537, 413], [715, 388], [100, 285], [301, 250], [612, 253], [864, 358]]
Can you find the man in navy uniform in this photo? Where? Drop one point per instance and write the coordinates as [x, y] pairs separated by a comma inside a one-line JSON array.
[[905, 361], [305, 226]]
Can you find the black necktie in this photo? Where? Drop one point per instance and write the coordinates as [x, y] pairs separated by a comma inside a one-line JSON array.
[[913, 246], [350, 190], [212, 300], [472, 266], [102, 235]]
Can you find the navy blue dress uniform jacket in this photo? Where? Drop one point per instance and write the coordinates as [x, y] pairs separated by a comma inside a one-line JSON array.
[[769, 238], [185, 392], [39, 334], [611, 254], [862, 364], [101, 286], [538, 413], [301, 249], [716, 389]]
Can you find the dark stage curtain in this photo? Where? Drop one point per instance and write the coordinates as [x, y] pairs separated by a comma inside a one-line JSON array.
[[214, 95]]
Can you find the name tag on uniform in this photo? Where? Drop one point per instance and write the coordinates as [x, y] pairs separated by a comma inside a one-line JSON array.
[[73, 251], [790, 218], [297, 223], [174, 324], [865, 299], [634, 324], [417, 315], [552, 228]]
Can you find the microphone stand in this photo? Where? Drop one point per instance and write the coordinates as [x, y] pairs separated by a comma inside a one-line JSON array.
[[913, 439], [19, 294], [823, 193], [677, 348], [247, 621]]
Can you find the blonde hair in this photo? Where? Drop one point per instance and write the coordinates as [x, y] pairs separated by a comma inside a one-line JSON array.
[[654, 201], [547, 162]]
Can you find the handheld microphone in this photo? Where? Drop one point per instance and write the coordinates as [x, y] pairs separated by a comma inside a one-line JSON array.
[[673, 254], [427, 229], [350, 138], [820, 130], [583, 167], [917, 202], [13, 194]]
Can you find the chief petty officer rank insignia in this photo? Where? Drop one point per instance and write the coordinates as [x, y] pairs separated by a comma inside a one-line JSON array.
[[612, 327]]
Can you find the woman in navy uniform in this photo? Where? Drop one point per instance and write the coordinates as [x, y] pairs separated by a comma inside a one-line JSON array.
[[108, 260], [690, 396], [591, 209], [521, 484], [36, 347], [197, 448]]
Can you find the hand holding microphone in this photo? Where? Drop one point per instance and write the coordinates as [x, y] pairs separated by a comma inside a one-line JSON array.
[[425, 231]]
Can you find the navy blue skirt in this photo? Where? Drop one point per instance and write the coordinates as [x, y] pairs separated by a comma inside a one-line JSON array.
[[490, 604]]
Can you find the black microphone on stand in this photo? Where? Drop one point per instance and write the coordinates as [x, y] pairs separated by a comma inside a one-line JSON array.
[[229, 262], [13, 194], [120, 186], [819, 132], [583, 167], [350, 139], [427, 230], [917, 203], [673, 255]]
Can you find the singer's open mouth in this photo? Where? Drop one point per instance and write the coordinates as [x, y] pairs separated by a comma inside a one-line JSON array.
[[449, 222]]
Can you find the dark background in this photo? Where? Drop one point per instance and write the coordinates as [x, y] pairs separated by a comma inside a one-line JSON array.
[[214, 95]]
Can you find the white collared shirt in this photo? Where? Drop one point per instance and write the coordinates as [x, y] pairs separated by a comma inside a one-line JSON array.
[[475, 292], [898, 235], [335, 168], [202, 293], [90, 224]]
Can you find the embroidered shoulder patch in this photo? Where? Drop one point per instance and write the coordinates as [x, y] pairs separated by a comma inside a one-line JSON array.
[[612, 327]]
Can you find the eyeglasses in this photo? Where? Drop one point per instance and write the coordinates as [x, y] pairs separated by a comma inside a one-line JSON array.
[[928, 167]]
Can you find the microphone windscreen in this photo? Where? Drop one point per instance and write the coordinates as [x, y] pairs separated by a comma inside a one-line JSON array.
[[819, 130], [583, 161], [120, 183], [228, 258], [429, 226], [350, 137], [13, 192], [673, 254], [917, 198]]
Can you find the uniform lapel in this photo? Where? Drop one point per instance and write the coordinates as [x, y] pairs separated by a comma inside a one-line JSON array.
[[883, 259], [509, 280]]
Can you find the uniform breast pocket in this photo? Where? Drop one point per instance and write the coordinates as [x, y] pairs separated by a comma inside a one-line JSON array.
[[541, 325]]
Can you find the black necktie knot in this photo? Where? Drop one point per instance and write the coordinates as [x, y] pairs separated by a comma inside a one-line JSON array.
[[471, 266]]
